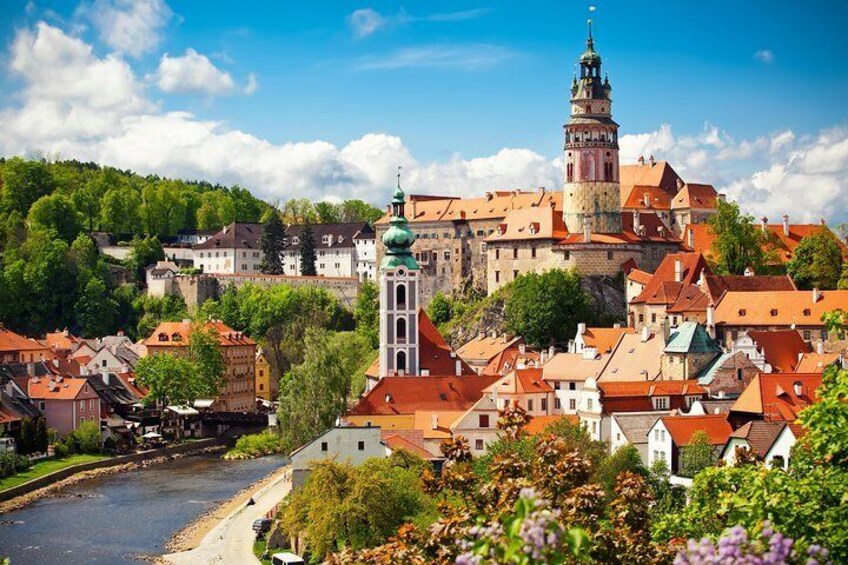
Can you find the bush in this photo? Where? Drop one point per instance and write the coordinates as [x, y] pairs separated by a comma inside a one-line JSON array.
[[12, 463], [60, 450], [256, 445], [85, 439]]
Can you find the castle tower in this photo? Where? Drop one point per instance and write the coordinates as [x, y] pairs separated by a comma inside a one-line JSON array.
[[591, 187], [398, 296]]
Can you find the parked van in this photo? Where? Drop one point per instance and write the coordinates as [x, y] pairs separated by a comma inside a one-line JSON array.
[[286, 558]]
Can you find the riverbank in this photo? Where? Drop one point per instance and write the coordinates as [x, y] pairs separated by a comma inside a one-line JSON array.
[[193, 533], [46, 467], [52, 489]]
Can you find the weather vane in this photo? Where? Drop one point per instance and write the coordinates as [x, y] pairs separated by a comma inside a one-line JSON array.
[[398, 174]]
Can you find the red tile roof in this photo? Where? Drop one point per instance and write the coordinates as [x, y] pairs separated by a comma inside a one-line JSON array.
[[510, 358], [782, 348], [521, 381], [539, 424], [659, 174], [699, 196], [658, 199], [408, 440], [44, 388], [773, 396], [434, 353], [816, 362], [529, 224], [613, 389], [778, 308], [406, 395], [11, 342], [717, 285], [604, 339], [682, 428], [640, 277], [663, 288], [177, 334]]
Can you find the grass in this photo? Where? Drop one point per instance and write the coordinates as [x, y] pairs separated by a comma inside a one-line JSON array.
[[46, 467], [259, 549]]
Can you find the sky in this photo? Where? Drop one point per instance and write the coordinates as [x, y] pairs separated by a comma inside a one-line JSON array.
[[324, 99]]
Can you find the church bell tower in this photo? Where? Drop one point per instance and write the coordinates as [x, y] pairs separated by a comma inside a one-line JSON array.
[[591, 189]]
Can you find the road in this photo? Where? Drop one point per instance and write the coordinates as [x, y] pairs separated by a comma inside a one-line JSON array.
[[230, 542]]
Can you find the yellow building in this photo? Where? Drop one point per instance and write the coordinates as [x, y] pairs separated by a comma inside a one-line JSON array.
[[267, 387]]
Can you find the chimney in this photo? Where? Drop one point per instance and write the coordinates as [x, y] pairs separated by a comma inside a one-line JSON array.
[[30, 369], [105, 376], [481, 335], [823, 222], [690, 236], [799, 388], [120, 333], [587, 228], [786, 225], [636, 220], [764, 223], [816, 295], [646, 333], [489, 196], [678, 270], [590, 352], [434, 421], [820, 347], [666, 330], [679, 184], [617, 326], [711, 320], [641, 159], [458, 367], [543, 356], [646, 199], [722, 196], [651, 161], [522, 348], [581, 328], [551, 351]]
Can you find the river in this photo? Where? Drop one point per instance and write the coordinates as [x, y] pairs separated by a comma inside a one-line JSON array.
[[116, 519]]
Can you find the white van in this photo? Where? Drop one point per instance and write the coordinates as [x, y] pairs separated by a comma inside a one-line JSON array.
[[286, 558]]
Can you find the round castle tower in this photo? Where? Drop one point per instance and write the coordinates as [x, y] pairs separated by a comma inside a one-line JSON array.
[[591, 189]]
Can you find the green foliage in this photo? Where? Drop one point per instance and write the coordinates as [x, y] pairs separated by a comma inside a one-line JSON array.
[[546, 307], [366, 313], [26, 445], [273, 241], [439, 309], [625, 459], [24, 182], [96, 311], [41, 436], [55, 213], [87, 438], [12, 463], [306, 251], [152, 311], [817, 262], [317, 391], [827, 419], [145, 252], [356, 507], [739, 241], [120, 211], [697, 455], [251, 446]]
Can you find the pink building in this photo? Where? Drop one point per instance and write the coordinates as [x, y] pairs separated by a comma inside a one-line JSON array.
[[65, 402]]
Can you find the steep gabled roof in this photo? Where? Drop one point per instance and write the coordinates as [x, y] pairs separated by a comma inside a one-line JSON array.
[[691, 337], [699, 196], [663, 288], [781, 348], [487, 347], [520, 381], [759, 435], [407, 395], [778, 308], [10, 341], [682, 428], [773, 395], [658, 199], [634, 359], [635, 425], [604, 339], [434, 353], [238, 235], [45, 388], [659, 174]]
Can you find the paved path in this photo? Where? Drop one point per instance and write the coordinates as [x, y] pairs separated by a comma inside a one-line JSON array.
[[230, 542]]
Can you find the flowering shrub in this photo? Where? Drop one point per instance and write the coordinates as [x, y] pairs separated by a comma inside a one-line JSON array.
[[769, 548]]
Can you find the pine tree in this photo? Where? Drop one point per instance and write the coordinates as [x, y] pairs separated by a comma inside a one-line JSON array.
[[273, 236], [307, 252], [41, 436], [27, 443]]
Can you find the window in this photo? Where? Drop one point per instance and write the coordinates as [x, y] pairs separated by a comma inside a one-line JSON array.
[[42, 405], [661, 403], [400, 365], [360, 445], [572, 404], [324, 446], [567, 255], [572, 386], [478, 444], [588, 403], [91, 404], [594, 428], [400, 326], [261, 387], [807, 335], [739, 374], [497, 276], [515, 253], [777, 462], [497, 254], [514, 274], [557, 404], [530, 405], [662, 435], [447, 255], [82, 404], [400, 296], [484, 420], [533, 252], [609, 255], [653, 318], [544, 403]]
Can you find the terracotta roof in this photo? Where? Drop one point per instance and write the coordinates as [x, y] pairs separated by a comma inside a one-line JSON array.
[[699, 237], [573, 367], [520, 381], [690, 299], [652, 229], [10, 341], [658, 199], [634, 359], [423, 420], [539, 424], [682, 428], [640, 277], [773, 395], [781, 348], [7, 417], [659, 174], [44, 388], [530, 224], [816, 362], [177, 334], [238, 235], [434, 353], [663, 288], [604, 339], [649, 388], [702, 196], [406, 395], [61, 340], [129, 381], [401, 440], [778, 308], [717, 285], [759, 435], [510, 358], [487, 347]]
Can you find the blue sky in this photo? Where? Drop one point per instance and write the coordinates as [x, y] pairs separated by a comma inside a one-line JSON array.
[[452, 81]]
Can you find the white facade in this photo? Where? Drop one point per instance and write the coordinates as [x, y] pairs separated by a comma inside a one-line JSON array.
[[399, 354], [344, 444], [778, 455], [589, 409], [228, 261], [366, 258], [479, 425], [659, 445]]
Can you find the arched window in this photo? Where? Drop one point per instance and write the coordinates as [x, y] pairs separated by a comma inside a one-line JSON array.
[[570, 172], [400, 296], [400, 365], [400, 330]]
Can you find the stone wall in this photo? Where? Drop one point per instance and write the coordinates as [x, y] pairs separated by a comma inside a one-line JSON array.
[[599, 198]]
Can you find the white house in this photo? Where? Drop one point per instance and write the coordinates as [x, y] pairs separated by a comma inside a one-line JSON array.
[[234, 249], [632, 428], [351, 444], [771, 442], [479, 424], [337, 248], [567, 372], [365, 248], [670, 434]]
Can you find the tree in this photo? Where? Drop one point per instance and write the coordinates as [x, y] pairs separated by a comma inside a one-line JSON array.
[[696, 455], [328, 213], [306, 250], [24, 182], [272, 244], [27, 443], [205, 355], [119, 212], [145, 252], [625, 459], [88, 437], [545, 308], [439, 309], [366, 312], [57, 213], [739, 243], [299, 211], [359, 211], [41, 436], [817, 262], [96, 311]]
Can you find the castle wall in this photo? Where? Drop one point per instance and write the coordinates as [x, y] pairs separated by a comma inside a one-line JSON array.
[[601, 199]]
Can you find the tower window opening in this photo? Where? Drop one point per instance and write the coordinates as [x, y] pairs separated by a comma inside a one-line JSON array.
[[400, 364], [400, 296], [400, 327]]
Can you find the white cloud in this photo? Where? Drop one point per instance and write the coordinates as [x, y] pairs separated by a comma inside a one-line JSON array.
[[252, 84], [365, 21], [129, 26], [764, 56], [464, 57], [193, 72]]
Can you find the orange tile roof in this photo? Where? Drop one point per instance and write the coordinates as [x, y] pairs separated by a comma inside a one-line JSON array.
[[816, 362], [487, 347], [773, 396], [658, 199], [434, 353], [423, 421], [604, 339], [717, 285], [650, 388], [406, 395], [177, 334], [634, 359], [682, 428], [520, 381], [778, 308], [11, 341], [530, 224], [395, 441], [697, 196], [781, 348], [61, 340], [662, 288], [640, 277], [573, 367], [68, 389], [690, 299], [539, 424], [659, 174], [510, 358]]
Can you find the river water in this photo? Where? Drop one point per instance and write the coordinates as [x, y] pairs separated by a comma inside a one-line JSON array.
[[116, 519]]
